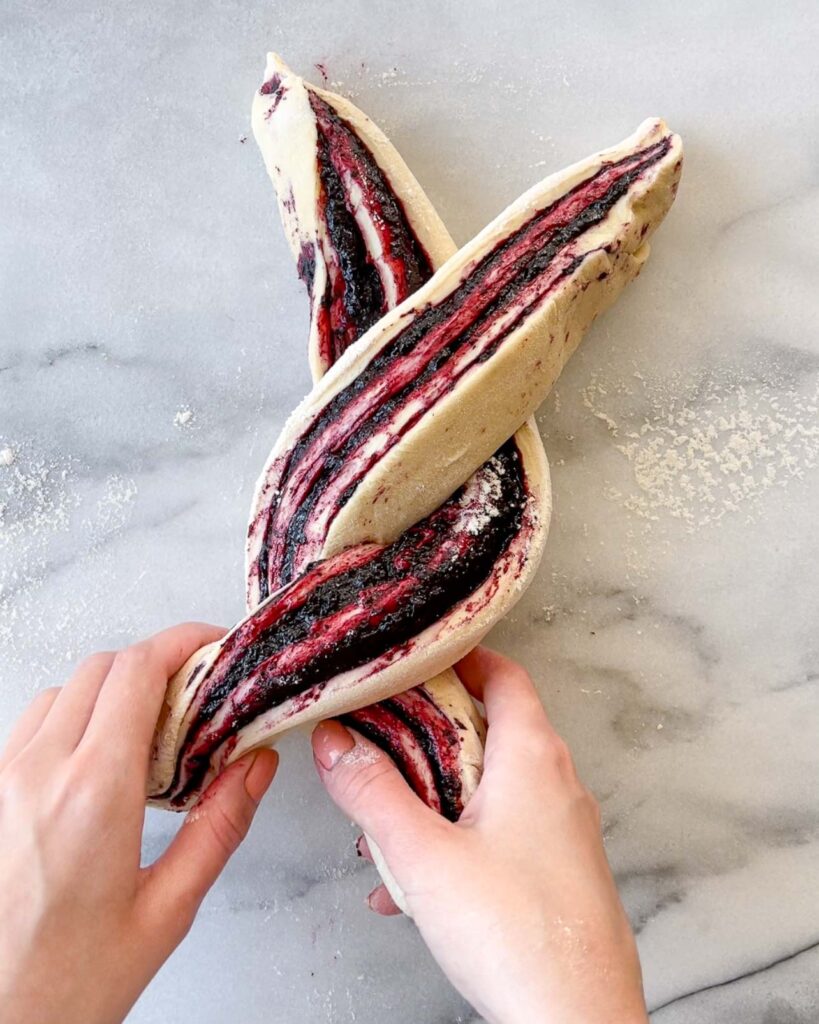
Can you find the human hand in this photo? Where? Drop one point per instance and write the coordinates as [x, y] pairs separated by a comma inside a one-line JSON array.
[[83, 928], [516, 901]]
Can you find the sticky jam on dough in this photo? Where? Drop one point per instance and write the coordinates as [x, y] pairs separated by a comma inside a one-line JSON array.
[[423, 741], [422, 363], [374, 258], [352, 609]]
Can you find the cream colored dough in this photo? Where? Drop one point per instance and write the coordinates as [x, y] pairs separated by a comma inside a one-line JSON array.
[[287, 138], [495, 398], [285, 131], [431, 652]]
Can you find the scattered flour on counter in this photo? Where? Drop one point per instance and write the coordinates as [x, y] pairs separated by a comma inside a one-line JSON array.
[[114, 507], [55, 519], [34, 496], [37, 499], [710, 447]]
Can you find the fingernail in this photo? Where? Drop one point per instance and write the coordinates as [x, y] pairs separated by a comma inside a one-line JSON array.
[[260, 774], [331, 741]]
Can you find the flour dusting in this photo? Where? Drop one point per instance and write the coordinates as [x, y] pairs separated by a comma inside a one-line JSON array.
[[708, 448], [480, 502], [34, 497], [54, 520], [360, 755], [113, 509], [183, 417]]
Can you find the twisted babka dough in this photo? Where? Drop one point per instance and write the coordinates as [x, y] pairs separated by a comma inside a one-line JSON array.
[[386, 568], [365, 237]]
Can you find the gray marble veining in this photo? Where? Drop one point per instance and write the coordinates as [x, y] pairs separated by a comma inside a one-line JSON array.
[[153, 342]]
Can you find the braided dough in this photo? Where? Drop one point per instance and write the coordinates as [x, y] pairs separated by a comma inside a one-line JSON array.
[[372, 566], [365, 236]]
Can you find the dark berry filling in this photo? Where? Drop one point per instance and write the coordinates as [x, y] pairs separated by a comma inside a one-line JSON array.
[[422, 363], [354, 296], [306, 265], [273, 87], [367, 275], [347, 611], [424, 743]]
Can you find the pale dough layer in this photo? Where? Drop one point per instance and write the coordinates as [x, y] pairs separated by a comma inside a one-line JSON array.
[[449, 693], [429, 653], [494, 399], [287, 138]]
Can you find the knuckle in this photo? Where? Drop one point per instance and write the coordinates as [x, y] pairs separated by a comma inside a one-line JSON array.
[[356, 784], [80, 788], [186, 904], [171, 914], [16, 784], [227, 829], [90, 783], [98, 662], [195, 626], [198, 633], [550, 751], [560, 754], [134, 659], [592, 805], [520, 675]]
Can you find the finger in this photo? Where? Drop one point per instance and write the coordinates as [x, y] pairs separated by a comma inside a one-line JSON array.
[[382, 903], [210, 834], [74, 705], [130, 700], [520, 738], [28, 724], [364, 782], [504, 687]]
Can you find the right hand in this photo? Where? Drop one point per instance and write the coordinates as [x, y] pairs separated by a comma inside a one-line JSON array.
[[516, 901]]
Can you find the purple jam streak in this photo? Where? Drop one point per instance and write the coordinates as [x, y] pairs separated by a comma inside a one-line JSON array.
[[422, 363], [350, 610], [424, 743], [356, 294], [273, 87]]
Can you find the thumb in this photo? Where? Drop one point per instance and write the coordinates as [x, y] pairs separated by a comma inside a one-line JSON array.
[[365, 783], [212, 832]]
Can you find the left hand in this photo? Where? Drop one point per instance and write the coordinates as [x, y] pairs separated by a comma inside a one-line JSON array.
[[83, 928]]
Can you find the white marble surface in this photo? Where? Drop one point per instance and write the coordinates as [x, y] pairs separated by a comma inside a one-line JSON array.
[[672, 627]]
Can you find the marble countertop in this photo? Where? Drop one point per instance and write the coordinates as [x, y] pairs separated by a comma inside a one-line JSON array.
[[152, 343]]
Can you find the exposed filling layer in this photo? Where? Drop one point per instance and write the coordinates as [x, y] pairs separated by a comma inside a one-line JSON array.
[[374, 260], [273, 87], [424, 742], [423, 362], [345, 612]]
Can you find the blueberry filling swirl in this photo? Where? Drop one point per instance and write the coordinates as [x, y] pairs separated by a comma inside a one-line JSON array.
[[423, 362], [374, 258], [366, 605], [323, 627], [423, 741]]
